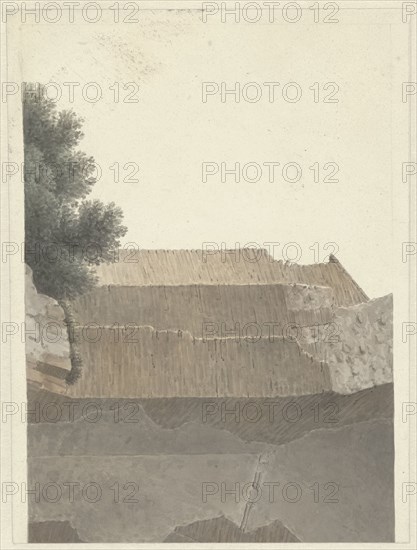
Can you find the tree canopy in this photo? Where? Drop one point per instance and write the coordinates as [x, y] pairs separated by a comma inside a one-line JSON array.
[[66, 235]]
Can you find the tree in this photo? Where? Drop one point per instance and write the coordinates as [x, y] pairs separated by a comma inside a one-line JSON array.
[[65, 234]]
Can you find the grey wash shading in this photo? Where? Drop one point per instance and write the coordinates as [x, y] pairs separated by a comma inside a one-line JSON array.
[[171, 374]]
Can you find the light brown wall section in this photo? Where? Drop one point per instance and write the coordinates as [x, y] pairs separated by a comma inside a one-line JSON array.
[[165, 364], [247, 266]]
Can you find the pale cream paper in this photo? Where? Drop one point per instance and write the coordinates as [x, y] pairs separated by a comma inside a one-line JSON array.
[[370, 213]]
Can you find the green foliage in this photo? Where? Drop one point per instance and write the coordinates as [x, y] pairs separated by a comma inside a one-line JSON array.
[[65, 234]]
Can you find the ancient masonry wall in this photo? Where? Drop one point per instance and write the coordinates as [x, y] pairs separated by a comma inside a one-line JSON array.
[[47, 346]]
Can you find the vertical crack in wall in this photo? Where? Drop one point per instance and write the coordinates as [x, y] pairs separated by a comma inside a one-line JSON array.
[[260, 469]]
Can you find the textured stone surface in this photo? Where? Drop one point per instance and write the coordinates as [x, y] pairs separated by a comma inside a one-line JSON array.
[[186, 409], [347, 349], [47, 346], [153, 325], [363, 356]]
